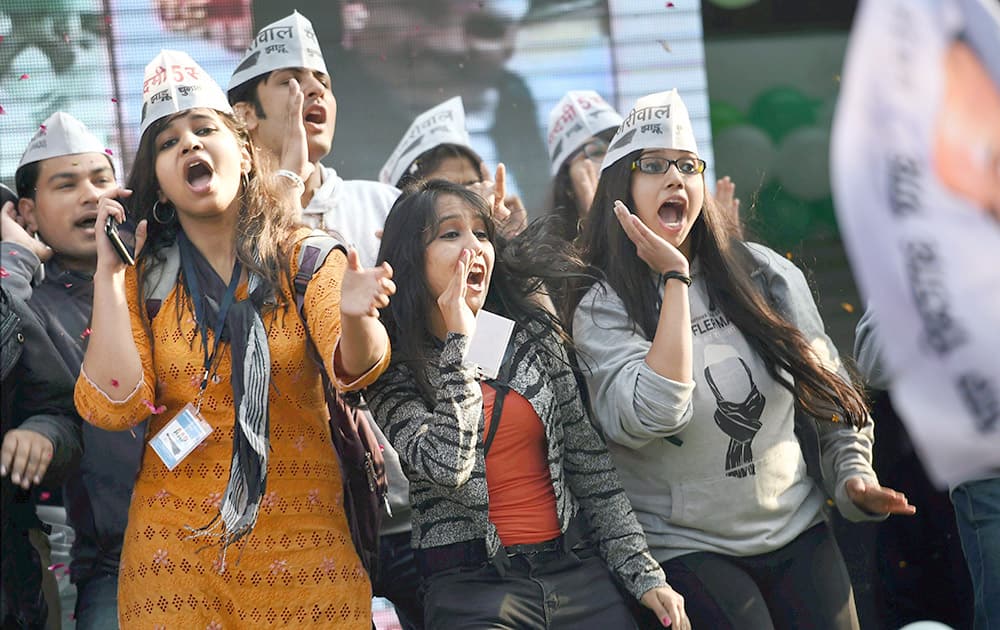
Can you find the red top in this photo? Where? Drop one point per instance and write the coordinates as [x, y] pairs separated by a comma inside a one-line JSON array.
[[522, 500]]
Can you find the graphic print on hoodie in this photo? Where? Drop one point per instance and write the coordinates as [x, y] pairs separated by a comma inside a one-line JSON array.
[[739, 406]]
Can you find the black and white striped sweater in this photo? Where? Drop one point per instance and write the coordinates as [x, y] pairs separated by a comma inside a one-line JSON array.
[[441, 450]]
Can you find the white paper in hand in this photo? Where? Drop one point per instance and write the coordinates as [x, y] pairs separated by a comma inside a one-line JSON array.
[[488, 344]]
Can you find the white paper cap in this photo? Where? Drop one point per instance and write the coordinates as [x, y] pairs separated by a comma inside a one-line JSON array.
[[575, 119], [441, 124], [288, 43], [59, 135], [658, 121], [173, 83]]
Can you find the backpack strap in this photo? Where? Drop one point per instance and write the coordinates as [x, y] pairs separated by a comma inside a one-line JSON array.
[[161, 280], [502, 386], [313, 253]]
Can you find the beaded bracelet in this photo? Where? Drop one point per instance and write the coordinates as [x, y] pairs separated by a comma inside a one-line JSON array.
[[294, 177]]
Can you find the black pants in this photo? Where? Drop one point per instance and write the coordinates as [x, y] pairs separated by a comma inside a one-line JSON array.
[[399, 581], [802, 586], [553, 589]]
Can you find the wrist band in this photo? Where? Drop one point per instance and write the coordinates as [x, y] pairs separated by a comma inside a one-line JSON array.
[[294, 177], [676, 275]]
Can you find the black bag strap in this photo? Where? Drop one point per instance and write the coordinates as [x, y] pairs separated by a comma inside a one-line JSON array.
[[502, 386]]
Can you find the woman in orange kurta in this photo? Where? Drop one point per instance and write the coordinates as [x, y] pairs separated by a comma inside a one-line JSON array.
[[295, 564]]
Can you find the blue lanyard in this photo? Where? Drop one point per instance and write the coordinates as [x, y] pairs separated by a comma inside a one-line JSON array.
[[191, 280]]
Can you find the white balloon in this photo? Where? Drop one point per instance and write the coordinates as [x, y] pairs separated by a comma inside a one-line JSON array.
[[802, 163]]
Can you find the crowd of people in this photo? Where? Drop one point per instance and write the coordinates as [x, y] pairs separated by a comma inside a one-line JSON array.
[[660, 445]]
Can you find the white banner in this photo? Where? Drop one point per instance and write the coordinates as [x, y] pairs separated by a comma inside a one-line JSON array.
[[916, 178]]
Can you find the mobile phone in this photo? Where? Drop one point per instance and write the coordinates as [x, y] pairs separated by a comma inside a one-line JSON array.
[[111, 229]]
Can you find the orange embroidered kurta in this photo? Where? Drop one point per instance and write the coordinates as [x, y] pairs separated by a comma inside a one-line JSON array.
[[298, 567]]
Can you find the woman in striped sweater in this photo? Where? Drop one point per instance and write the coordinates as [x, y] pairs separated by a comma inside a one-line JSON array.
[[499, 469]]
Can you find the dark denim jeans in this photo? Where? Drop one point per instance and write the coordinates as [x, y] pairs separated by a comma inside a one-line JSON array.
[[97, 603], [977, 510], [398, 580], [547, 590]]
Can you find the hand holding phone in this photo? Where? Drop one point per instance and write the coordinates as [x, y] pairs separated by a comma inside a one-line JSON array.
[[111, 229]]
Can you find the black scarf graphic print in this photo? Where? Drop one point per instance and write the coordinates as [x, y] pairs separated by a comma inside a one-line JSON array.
[[740, 421]]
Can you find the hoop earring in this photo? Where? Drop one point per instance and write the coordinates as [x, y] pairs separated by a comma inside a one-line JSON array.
[[156, 215]]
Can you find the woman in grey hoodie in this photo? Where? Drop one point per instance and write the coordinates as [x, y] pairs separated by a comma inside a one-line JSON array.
[[700, 351]]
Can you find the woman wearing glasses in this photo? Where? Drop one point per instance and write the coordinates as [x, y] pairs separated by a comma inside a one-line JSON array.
[[698, 349]]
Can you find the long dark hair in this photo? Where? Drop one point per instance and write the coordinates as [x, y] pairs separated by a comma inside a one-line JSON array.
[[562, 200], [727, 264], [265, 223], [518, 273]]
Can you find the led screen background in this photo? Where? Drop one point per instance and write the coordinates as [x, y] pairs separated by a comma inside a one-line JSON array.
[[87, 57]]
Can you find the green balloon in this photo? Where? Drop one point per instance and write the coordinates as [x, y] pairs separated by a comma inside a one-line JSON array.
[[782, 109], [781, 219], [725, 115]]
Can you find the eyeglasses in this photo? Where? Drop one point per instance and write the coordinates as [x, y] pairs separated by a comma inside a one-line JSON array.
[[659, 165], [595, 150]]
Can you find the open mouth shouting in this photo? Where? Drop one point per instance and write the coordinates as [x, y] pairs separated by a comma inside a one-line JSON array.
[[86, 221], [314, 118], [671, 213], [475, 280], [198, 174]]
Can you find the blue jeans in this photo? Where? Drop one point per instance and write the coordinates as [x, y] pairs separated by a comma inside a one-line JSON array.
[[97, 603], [977, 510], [398, 580]]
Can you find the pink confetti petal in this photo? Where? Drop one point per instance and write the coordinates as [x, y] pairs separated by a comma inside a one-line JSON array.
[[2, 110], [670, 5], [56, 566], [3, 273], [23, 77], [42, 127], [108, 151], [114, 382], [114, 100], [68, 285], [86, 333], [13, 252], [153, 409], [45, 496]]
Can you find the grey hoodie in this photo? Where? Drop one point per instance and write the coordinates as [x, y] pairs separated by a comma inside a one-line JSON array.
[[732, 477]]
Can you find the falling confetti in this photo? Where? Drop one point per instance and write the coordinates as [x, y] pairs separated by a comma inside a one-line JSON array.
[[114, 382], [670, 5], [44, 496], [85, 333], [55, 567], [847, 306], [108, 151], [666, 46], [2, 111], [23, 76], [68, 285], [153, 409], [3, 273], [13, 252], [114, 100], [43, 127]]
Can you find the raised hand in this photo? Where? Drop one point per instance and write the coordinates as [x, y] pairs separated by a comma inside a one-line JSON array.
[[725, 194], [455, 311], [876, 499], [364, 291], [25, 455], [108, 205], [12, 230], [295, 149], [668, 606], [509, 212], [660, 255]]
